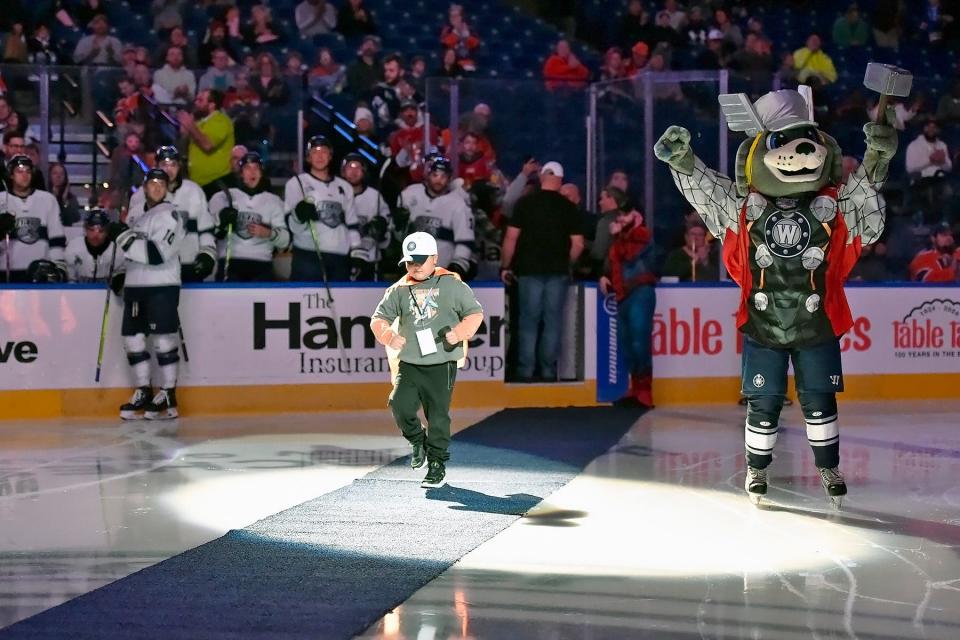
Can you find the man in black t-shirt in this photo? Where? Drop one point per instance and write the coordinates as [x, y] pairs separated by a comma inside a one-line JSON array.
[[545, 236]]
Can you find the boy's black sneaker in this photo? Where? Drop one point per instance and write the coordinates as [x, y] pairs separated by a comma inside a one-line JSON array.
[[435, 474]]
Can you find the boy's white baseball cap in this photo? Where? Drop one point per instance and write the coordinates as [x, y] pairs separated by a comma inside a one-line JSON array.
[[417, 247]]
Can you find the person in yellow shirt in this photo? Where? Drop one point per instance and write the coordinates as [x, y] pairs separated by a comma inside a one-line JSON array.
[[813, 66], [210, 134]]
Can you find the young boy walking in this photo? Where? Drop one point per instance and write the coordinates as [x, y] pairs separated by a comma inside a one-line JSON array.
[[425, 320]]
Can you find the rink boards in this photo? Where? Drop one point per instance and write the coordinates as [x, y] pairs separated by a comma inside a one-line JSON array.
[[284, 348]]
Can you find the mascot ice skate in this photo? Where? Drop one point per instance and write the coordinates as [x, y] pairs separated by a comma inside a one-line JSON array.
[[791, 232]]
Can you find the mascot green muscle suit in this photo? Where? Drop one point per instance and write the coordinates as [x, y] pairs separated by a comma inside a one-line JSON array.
[[791, 233]]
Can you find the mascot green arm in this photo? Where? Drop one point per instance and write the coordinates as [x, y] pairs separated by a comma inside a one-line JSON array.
[[862, 205], [712, 194]]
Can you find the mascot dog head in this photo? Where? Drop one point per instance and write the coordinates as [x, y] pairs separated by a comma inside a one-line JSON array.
[[787, 154]]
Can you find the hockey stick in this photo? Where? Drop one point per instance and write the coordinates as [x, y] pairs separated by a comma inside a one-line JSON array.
[[106, 312], [183, 342], [6, 254], [226, 262]]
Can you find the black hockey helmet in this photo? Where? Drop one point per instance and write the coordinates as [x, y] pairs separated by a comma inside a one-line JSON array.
[[96, 218], [439, 162], [19, 160], [353, 156], [44, 271], [157, 174], [251, 157], [167, 152], [318, 141]]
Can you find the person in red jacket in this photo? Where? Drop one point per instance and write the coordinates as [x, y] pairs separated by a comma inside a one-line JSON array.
[[458, 35], [474, 166], [939, 263], [563, 68], [631, 279]]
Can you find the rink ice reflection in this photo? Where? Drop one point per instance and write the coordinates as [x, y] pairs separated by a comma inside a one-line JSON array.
[[654, 540]]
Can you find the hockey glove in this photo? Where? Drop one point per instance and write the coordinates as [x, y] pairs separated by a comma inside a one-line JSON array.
[[401, 218], [114, 229], [203, 266], [228, 217], [306, 212], [458, 269], [117, 283], [376, 229], [7, 223]]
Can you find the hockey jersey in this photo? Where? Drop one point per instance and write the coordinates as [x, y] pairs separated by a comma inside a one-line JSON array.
[[370, 204], [447, 218], [338, 229], [151, 246], [931, 265], [261, 207], [190, 203], [84, 266], [38, 232]]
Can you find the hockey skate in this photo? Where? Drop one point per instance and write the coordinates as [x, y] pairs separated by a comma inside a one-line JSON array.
[[139, 401], [163, 406], [756, 484], [833, 485]]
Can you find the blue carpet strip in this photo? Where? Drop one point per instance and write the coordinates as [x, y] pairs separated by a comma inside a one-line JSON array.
[[332, 566]]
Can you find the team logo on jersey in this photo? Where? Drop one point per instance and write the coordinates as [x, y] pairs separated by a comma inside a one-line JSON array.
[[758, 381], [331, 213], [27, 230], [428, 224], [245, 218], [787, 235]]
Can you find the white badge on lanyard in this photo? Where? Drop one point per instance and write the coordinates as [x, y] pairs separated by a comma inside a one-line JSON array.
[[428, 343]]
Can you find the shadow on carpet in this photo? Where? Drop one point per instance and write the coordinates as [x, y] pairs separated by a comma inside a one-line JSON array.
[[331, 567]]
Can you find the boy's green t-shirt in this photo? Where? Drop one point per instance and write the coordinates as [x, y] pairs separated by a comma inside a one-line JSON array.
[[438, 303]]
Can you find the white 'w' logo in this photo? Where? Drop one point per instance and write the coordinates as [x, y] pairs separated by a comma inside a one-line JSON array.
[[786, 234]]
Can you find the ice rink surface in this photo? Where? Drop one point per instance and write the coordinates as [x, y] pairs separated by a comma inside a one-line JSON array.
[[656, 539]]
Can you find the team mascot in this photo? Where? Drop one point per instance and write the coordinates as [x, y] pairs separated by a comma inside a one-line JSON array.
[[791, 233]]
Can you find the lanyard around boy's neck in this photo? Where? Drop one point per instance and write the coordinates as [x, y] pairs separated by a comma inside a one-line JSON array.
[[413, 298]]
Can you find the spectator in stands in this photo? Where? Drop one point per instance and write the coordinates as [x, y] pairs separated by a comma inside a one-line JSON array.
[[663, 33], [563, 68], [98, 48], [872, 266], [715, 55], [315, 17], [611, 202], [813, 65], [260, 29], [84, 14], [6, 111], [731, 32], [32, 150], [613, 66], [70, 213], [678, 17], [15, 45], [696, 260], [167, 14], [662, 91], [235, 32], [888, 23], [459, 36], [216, 38], [211, 137], [294, 72], [128, 59], [755, 64], [938, 263], [41, 48], [175, 79], [788, 71], [473, 166], [143, 79], [218, 76], [697, 29], [363, 119], [126, 164], [242, 105], [236, 159], [850, 29], [417, 75], [363, 73], [356, 20], [178, 38], [386, 100], [948, 109], [543, 240], [407, 141], [449, 67], [639, 59], [928, 162], [635, 25], [937, 22], [327, 75], [14, 144], [902, 113], [268, 82]]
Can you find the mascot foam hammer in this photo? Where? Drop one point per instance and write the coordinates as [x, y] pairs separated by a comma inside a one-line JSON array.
[[791, 233]]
